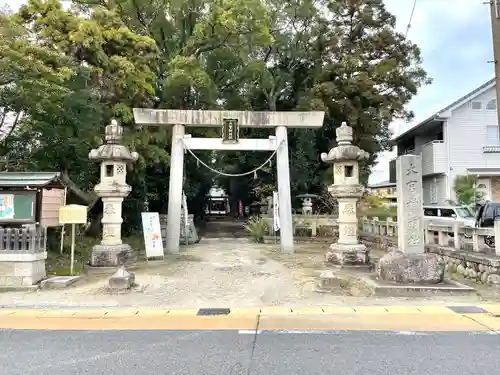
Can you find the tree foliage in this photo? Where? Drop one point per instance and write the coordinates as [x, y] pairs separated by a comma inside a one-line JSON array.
[[69, 70], [465, 187]]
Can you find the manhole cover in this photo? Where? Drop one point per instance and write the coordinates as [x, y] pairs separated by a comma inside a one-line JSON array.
[[207, 312], [467, 309]]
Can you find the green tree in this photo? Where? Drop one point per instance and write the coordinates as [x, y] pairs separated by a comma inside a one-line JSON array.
[[465, 187], [349, 62], [99, 59], [69, 73]]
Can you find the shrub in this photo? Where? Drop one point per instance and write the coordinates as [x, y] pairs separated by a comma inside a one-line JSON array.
[[381, 212], [257, 228]]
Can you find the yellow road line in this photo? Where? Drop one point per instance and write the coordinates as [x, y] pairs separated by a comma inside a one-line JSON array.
[[90, 314], [385, 318], [58, 313], [491, 308], [245, 311], [403, 310], [275, 310], [121, 313], [153, 312], [132, 323], [307, 310], [372, 318], [26, 312], [486, 320], [183, 312], [371, 322], [435, 310], [371, 309], [338, 310]]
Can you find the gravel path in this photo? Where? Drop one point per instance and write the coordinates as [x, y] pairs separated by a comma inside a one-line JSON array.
[[216, 273]]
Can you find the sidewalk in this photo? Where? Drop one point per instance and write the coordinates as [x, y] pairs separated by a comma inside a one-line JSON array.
[[477, 318]]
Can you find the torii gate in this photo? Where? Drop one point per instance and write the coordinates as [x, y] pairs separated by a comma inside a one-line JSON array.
[[230, 122]]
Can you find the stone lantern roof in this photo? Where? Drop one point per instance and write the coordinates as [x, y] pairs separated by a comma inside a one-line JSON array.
[[345, 150], [112, 149]]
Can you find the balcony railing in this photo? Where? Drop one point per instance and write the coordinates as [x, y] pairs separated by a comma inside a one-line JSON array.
[[434, 159]]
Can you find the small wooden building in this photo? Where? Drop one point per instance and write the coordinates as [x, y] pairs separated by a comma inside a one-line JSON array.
[[35, 197]]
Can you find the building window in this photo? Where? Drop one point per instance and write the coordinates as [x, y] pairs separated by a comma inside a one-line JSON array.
[[476, 105], [492, 136], [492, 105]]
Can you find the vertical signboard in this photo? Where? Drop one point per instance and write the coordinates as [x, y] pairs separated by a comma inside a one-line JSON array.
[[152, 234]]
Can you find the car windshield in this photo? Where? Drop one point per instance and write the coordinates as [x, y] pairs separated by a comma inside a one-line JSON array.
[[463, 212]]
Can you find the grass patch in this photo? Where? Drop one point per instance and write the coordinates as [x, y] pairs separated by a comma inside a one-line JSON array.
[[58, 264]]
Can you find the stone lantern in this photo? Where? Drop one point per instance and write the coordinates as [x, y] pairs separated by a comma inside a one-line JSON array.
[[112, 189], [347, 189]]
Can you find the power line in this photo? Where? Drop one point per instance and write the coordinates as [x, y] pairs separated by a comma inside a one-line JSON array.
[[411, 18]]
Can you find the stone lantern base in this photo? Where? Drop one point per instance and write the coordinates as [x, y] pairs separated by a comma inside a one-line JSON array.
[[355, 255], [112, 255]]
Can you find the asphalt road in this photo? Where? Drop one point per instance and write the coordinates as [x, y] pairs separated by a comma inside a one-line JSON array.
[[233, 353]]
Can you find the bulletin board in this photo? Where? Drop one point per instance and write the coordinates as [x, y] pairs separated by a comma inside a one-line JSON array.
[[17, 207]]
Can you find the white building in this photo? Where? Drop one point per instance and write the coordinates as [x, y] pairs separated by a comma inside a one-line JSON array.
[[462, 138]]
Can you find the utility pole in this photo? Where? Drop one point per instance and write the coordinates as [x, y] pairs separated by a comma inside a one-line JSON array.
[[495, 29]]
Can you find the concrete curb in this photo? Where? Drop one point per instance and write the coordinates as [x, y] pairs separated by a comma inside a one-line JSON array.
[[111, 311]]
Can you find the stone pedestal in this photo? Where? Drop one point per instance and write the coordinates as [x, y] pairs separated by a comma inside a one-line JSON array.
[[21, 270], [112, 188], [112, 255], [122, 280], [400, 268], [348, 255], [347, 251]]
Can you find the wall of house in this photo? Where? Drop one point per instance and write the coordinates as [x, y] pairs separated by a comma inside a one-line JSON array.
[[52, 200], [467, 136], [434, 190]]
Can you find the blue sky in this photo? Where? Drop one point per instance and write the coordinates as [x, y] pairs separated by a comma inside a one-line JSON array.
[[455, 39]]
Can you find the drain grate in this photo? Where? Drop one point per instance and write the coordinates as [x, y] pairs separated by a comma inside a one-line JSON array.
[[467, 309], [209, 312]]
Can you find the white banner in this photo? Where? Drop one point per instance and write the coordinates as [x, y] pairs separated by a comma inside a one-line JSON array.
[[152, 234], [276, 211], [184, 203]]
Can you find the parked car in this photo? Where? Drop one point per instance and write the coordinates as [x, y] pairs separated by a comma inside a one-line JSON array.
[[486, 216], [449, 215]]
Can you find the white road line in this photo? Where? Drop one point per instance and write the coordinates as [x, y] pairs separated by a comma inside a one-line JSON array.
[[485, 333], [409, 333], [387, 333]]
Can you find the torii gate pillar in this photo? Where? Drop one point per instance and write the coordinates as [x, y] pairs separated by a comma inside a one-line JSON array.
[[178, 119]]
